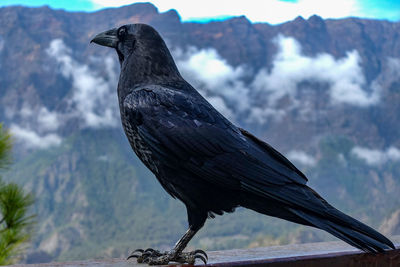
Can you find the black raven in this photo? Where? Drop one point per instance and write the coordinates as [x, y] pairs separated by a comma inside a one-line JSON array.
[[204, 160]]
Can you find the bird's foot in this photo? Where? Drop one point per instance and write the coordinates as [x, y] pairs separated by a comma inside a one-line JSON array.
[[155, 257]]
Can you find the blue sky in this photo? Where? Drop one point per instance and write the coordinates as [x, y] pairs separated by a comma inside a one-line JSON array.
[[271, 11]]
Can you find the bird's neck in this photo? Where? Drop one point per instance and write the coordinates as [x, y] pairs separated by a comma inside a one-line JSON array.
[[139, 71]]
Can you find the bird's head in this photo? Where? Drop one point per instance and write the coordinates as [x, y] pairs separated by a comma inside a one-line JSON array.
[[142, 52]]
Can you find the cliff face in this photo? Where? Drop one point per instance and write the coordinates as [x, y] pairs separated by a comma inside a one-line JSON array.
[[324, 92], [32, 78]]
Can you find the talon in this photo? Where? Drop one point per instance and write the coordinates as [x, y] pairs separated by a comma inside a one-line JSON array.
[[138, 250], [155, 257], [133, 256], [200, 257], [201, 252]]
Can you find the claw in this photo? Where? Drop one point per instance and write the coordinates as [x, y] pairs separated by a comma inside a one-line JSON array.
[[138, 250], [155, 257], [133, 256], [201, 252], [200, 257]]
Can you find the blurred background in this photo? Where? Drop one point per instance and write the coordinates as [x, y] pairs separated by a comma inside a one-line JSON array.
[[318, 80]]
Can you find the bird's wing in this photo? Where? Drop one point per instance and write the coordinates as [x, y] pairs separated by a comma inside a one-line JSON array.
[[270, 150], [185, 131]]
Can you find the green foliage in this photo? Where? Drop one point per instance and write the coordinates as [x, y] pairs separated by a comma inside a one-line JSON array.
[[5, 147], [15, 223]]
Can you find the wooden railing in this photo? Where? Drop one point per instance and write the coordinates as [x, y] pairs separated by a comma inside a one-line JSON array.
[[325, 254]]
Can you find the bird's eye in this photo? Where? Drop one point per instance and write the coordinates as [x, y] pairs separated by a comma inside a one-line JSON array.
[[121, 33]]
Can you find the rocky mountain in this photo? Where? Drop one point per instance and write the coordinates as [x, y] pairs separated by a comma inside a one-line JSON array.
[[324, 92]]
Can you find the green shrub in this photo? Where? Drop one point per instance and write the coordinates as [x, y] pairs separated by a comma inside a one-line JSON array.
[[16, 224]]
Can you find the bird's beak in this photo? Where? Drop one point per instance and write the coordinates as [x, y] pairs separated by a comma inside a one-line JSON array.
[[108, 38]]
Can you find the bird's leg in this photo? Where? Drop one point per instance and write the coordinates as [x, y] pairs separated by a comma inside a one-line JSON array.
[[154, 257], [189, 257]]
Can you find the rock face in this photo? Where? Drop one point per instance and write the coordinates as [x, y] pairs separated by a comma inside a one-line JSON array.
[[29, 77], [324, 92]]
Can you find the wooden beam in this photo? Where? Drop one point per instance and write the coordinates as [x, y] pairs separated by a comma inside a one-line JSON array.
[[297, 255]]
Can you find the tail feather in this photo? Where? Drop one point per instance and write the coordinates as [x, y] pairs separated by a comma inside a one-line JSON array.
[[301, 204], [348, 229], [363, 229]]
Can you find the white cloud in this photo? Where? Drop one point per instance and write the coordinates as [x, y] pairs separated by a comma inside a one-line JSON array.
[[219, 103], [257, 101], [40, 127], [393, 153], [223, 85], [271, 11], [210, 67], [290, 67], [216, 80], [42, 118], [92, 99], [104, 158], [376, 157], [48, 120], [261, 114], [32, 139], [393, 67], [302, 158], [26, 111]]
